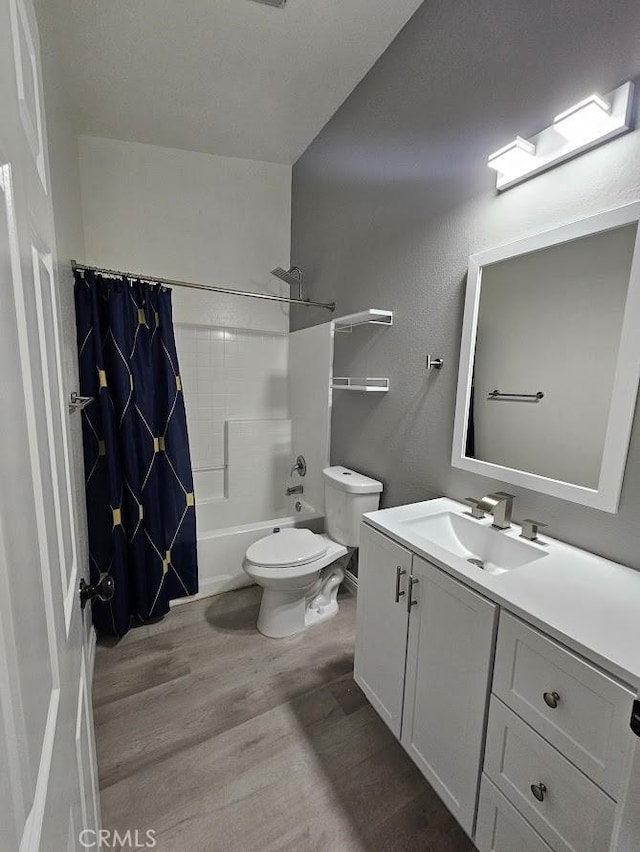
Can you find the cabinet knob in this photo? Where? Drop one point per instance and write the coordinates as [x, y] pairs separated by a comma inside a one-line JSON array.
[[539, 791], [399, 573], [551, 699]]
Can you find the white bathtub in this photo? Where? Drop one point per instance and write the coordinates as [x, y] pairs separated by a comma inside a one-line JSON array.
[[221, 551]]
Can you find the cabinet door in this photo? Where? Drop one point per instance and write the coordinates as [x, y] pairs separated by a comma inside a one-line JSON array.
[[381, 627], [449, 658]]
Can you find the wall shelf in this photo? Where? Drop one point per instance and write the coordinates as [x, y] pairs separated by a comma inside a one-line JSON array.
[[367, 385], [372, 316]]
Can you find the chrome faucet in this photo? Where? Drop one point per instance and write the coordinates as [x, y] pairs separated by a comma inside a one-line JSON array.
[[300, 466], [295, 489], [500, 505]]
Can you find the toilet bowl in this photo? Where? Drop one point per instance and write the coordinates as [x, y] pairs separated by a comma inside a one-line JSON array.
[[297, 571], [300, 571]]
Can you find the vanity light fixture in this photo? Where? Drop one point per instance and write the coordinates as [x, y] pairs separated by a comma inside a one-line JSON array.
[[590, 122]]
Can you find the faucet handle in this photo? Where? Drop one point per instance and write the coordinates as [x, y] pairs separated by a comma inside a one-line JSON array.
[[476, 511], [530, 529], [503, 495]]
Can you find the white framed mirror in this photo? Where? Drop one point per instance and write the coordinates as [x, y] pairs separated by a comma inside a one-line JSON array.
[[550, 360]]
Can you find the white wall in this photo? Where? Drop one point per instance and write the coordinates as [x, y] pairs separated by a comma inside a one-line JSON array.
[[179, 214], [550, 321], [310, 399], [212, 220]]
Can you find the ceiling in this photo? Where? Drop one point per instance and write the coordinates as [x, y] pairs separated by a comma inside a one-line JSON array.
[[229, 77]]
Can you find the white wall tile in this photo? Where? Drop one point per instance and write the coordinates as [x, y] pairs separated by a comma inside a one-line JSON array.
[[232, 373]]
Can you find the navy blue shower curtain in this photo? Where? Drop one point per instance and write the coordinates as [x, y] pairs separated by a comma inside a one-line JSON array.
[[139, 484]]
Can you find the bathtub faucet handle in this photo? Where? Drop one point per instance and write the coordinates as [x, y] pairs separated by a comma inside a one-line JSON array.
[[300, 466]]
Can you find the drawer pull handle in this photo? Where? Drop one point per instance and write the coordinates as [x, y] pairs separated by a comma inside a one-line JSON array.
[[551, 699], [538, 791], [399, 572], [413, 581]]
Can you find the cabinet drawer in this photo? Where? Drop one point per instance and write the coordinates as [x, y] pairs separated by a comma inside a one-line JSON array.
[[574, 814], [500, 828], [590, 722]]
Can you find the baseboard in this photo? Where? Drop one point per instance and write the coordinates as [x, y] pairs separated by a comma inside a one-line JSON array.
[[351, 582]]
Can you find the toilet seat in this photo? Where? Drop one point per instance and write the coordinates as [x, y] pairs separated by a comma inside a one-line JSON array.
[[287, 548]]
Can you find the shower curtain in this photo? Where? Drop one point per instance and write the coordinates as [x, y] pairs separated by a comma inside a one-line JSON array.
[[139, 485]]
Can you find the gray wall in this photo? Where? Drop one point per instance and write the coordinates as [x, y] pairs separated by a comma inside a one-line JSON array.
[[394, 194]]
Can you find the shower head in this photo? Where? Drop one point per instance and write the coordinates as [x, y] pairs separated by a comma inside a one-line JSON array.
[[293, 277]]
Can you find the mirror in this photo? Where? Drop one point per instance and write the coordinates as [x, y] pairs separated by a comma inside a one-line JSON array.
[[550, 360]]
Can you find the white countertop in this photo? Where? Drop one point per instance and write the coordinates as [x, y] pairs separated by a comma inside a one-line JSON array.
[[588, 603]]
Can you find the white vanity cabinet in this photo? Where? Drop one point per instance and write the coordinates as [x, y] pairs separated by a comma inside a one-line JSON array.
[[424, 648], [524, 740]]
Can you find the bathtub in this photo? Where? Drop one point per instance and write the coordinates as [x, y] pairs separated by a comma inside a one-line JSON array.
[[221, 551]]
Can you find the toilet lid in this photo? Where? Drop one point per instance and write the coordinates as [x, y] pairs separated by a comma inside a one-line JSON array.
[[287, 547]]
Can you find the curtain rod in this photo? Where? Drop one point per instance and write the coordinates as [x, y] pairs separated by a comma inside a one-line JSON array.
[[331, 306]]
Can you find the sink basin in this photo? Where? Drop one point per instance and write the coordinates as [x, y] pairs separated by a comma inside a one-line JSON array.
[[490, 549]]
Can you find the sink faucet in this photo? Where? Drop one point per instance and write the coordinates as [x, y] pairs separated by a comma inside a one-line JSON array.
[[499, 504]]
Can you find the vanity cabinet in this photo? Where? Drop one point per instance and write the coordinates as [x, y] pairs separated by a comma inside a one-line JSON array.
[[524, 740], [424, 647]]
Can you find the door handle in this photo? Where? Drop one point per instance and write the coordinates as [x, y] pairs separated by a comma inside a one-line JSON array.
[[399, 573], [413, 581], [103, 589]]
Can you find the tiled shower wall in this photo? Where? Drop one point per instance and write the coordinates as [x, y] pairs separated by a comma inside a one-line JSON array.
[[227, 374]]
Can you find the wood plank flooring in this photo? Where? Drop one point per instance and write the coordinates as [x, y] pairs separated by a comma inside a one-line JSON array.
[[222, 740]]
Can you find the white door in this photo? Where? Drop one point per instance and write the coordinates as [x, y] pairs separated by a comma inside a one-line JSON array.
[[384, 568], [47, 767], [449, 658]]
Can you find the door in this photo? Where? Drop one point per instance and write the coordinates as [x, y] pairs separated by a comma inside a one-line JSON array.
[[47, 769], [381, 629], [449, 659]]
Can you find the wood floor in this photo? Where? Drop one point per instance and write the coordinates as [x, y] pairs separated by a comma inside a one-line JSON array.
[[224, 741]]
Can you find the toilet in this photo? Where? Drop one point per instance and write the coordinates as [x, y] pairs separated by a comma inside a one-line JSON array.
[[300, 571]]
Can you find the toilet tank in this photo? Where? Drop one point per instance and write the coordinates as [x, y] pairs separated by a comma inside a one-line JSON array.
[[347, 496]]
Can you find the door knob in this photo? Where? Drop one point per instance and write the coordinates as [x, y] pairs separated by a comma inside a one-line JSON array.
[[103, 589]]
